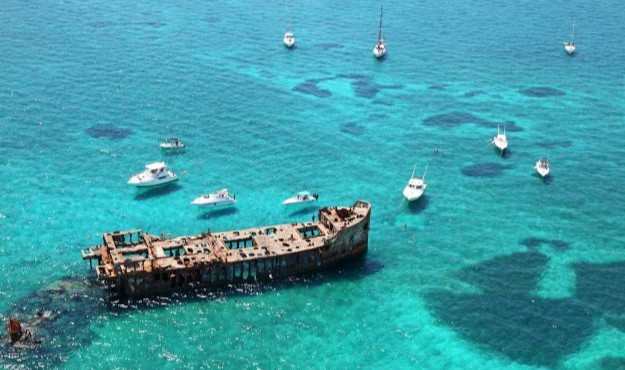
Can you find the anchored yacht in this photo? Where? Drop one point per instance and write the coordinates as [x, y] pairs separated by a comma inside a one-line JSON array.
[[289, 39], [542, 167], [416, 186], [301, 197], [154, 174], [379, 50], [220, 198], [501, 140], [171, 144]]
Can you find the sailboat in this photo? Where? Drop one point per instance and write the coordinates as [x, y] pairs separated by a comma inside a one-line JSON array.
[[416, 186], [379, 50], [569, 46], [501, 140]]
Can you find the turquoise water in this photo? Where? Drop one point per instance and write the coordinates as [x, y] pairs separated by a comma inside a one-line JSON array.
[[493, 269]]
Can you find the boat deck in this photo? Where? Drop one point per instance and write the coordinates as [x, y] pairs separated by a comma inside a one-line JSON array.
[[133, 252]]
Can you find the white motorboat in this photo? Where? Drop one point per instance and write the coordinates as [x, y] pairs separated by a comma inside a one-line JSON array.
[[501, 140], [569, 46], [172, 143], [220, 198], [542, 167], [154, 174], [416, 186], [379, 50], [301, 197], [289, 39]]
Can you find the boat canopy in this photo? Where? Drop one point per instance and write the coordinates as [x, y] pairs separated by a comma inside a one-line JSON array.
[[155, 166]]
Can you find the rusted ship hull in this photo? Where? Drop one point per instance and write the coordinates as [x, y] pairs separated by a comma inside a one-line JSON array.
[[134, 264]]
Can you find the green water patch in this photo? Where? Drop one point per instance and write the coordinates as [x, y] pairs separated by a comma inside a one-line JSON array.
[[108, 131]]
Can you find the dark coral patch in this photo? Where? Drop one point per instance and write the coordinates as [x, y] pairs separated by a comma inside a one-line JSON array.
[[352, 128], [526, 329], [458, 118], [612, 363], [364, 86], [515, 273], [545, 330], [541, 92], [601, 286], [438, 87], [451, 119], [329, 45], [487, 169], [555, 144], [533, 242], [107, 131], [310, 87], [470, 94]]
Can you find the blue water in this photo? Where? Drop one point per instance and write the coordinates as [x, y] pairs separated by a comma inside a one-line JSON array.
[[493, 269]]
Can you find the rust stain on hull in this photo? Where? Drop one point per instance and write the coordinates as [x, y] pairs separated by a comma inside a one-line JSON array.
[[137, 264]]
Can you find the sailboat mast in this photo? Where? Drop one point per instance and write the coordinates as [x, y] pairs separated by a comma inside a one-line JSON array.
[[380, 28]]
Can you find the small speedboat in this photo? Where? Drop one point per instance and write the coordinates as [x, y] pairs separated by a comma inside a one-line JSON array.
[[154, 174], [220, 198], [501, 140], [379, 50], [542, 167], [289, 39], [416, 186], [301, 197], [171, 144]]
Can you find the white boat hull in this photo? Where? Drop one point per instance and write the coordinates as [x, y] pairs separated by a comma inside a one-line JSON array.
[[289, 41], [542, 172], [292, 201], [171, 147], [501, 143], [412, 194], [379, 52], [152, 182], [569, 49], [212, 204]]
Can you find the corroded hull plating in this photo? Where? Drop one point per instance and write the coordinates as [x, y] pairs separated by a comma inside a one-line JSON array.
[[220, 259]]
